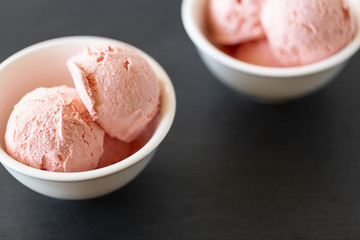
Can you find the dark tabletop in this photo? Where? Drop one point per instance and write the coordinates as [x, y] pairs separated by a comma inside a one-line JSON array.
[[229, 168]]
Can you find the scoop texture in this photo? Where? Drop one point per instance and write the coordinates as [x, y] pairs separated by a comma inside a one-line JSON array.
[[50, 129], [306, 31], [233, 21], [118, 87]]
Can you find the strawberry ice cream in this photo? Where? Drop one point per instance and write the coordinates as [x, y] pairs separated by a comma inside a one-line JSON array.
[[116, 150], [232, 21], [56, 129], [254, 52], [50, 129], [306, 31], [280, 33], [118, 87]]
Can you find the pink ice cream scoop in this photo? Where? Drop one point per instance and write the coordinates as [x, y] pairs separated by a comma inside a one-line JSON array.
[[306, 31], [254, 52], [50, 129], [116, 150], [118, 87], [233, 21]]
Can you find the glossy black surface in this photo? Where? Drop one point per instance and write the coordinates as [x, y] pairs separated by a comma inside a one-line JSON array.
[[229, 168]]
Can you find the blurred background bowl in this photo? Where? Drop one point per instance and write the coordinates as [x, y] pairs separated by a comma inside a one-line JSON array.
[[263, 84]]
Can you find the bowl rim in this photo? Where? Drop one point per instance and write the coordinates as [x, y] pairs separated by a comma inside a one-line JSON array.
[[164, 125], [203, 44]]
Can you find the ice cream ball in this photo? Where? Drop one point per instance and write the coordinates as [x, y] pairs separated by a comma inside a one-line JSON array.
[[307, 31], [232, 21], [50, 129], [118, 87]]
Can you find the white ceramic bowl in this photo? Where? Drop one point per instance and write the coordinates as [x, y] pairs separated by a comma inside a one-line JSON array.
[[264, 84], [44, 65]]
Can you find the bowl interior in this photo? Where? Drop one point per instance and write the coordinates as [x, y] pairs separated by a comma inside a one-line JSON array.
[[44, 65]]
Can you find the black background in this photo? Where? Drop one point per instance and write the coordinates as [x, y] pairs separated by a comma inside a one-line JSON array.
[[229, 168]]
